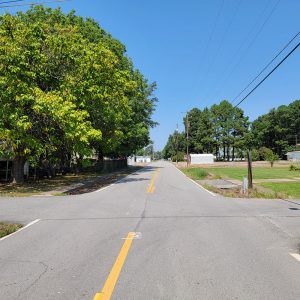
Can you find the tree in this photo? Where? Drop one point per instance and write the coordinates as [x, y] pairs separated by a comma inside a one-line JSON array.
[[271, 157], [68, 90], [37, 117], [176, 141], [278, 129], [222, 125]]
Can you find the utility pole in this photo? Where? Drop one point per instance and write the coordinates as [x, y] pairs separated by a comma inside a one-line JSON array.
[[187, 139], [250, 177], [177, 144], [153, 152], [187, 136]]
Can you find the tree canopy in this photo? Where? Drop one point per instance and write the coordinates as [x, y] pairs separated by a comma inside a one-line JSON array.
[[279, 129], [220, 127], [225, 131], [68, 89]]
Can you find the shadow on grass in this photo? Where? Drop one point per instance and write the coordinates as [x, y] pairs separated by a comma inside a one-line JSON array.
[[88, 182]]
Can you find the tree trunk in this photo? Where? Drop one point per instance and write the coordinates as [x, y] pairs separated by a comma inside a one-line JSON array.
[[79, 166], [100, 155], [224, 152], [228, 154], [217, 153], [233, 153], [18, 170]]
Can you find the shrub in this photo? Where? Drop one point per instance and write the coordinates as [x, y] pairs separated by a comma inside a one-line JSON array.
[[180, 157], [294, 168], [196, 173], [255, 154], [269, 155], [264, 153]]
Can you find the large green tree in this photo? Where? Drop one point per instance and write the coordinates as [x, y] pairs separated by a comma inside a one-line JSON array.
[[176, 142], [279, 129], [67, 89], [220, 127]]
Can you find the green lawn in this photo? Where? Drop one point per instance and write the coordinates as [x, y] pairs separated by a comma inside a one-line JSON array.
[[280, 189], [195, 173], [239, 173], [258, 173], [289, 188]]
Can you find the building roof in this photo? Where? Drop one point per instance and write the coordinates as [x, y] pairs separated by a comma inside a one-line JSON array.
[[293, 152]]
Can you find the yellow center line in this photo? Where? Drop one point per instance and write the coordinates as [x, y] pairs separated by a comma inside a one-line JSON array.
[[151, 185], [114, 274]]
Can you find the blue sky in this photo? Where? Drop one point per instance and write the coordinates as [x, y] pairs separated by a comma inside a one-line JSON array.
[[203, 51]]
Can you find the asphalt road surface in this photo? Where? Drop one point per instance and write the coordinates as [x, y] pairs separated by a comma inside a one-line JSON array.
[[153, 235]]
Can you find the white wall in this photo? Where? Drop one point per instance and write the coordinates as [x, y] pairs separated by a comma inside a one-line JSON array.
[[143, 159], [202, 159]]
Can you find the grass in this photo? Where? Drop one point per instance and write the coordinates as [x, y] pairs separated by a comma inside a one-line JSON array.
[[270, 190], [258, 172], [60, 194], [196, 173], [8, 228], [291, 189], [52, 185], [257, 192], [43, 185]]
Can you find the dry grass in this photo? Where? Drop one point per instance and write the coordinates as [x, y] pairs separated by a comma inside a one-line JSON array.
[[56, 186], [256, 192], [8, 228]]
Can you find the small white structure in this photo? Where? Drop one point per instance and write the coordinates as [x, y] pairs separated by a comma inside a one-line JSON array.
[[293, 156], [143, 159], [202, 159]]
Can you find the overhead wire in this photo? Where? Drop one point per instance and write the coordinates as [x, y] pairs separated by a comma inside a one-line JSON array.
[[247, 48], [210, 37], [32, 3], [277, 66], [12, 1], [274, 58], [222, 40]]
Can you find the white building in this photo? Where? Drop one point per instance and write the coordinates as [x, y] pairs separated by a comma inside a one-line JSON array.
[[143, 159], [293, 156], [201, 159]]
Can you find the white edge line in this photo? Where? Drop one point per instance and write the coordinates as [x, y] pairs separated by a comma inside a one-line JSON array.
[[199, 185], [26, 226], [296, 256], [104, 188]]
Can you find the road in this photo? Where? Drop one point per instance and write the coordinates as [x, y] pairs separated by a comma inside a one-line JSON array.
[[153, 235]]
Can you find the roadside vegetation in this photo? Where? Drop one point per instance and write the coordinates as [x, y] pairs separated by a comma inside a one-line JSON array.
[[68, 91], [256, 192], [226, 132], [239, 172], [291, 189], [258, 173], [270, 182], [65, 184], [8, 228], [196, 173]]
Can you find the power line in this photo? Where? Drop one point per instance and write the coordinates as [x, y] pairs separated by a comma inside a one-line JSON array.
[[32, 3], [13, 1], [210, 39], [222, 40], [265, 67], [268, 74], [247, 48]]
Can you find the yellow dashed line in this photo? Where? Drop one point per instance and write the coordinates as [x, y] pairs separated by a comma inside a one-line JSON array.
[[151, 185]]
